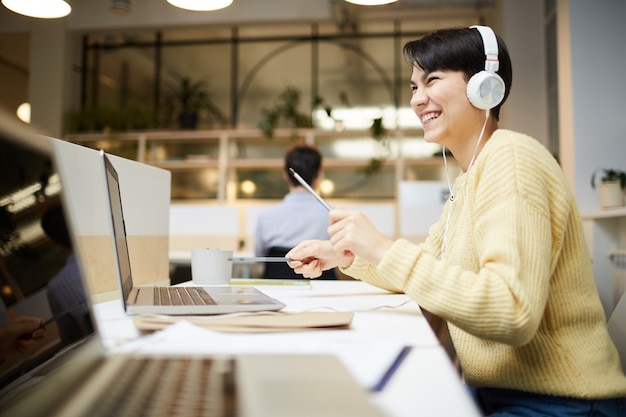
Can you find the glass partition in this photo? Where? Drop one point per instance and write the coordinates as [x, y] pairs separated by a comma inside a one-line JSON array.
[[267, 86]]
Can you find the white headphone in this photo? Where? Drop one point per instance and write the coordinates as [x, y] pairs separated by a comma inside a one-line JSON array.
[[485, 90]]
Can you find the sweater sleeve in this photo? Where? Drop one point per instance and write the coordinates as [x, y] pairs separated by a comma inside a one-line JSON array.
[[365, 272], [379, 277]]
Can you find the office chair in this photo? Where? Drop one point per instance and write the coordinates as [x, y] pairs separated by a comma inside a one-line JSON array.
[[280, 270]]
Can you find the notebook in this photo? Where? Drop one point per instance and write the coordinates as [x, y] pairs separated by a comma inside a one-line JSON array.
[[54, 376], [171, 300]]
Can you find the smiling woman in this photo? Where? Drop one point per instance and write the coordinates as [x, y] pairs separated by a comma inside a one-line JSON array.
[[522, 308]]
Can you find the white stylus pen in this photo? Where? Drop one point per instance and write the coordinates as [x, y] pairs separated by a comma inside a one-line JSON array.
[[309, 189], [244, 259]]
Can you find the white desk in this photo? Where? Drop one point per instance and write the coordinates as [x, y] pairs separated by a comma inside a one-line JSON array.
[[425, 384]]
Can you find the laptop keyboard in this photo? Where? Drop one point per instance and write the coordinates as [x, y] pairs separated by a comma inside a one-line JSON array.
[[170, 387], [181, 296]]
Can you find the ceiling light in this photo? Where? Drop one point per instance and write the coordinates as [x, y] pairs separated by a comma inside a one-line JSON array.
[[45, 9], [23, 112], [327, 187], [371, 2], [248, 187], [200, 5]]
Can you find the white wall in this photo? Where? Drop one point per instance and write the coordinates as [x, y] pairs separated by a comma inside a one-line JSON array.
[[523, 31], [46, 86], [598, 88]]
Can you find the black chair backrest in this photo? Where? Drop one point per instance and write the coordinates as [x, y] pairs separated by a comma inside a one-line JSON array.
[[280, 270]]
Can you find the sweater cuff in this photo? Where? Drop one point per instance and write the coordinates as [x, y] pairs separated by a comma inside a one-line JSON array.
[[398, 262], [357, 268]]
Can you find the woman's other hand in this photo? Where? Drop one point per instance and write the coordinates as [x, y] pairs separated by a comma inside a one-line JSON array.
[[351, 232], [311, 257]]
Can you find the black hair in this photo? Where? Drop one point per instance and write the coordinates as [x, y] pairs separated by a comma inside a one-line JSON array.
[[306, 160], [458, 49]]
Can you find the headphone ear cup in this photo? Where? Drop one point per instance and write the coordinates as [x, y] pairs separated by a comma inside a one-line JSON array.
[[485, 90]]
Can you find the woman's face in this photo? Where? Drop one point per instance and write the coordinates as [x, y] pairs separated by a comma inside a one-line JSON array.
[[440, 100]]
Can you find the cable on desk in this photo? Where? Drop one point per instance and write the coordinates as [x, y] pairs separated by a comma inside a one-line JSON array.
[[278, 313], [360, 311]]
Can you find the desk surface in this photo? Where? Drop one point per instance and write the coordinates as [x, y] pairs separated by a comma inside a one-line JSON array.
[[425, 384]]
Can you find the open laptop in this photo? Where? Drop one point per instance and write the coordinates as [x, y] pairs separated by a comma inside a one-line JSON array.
[[181, 300], [39, 275], [80, 378]]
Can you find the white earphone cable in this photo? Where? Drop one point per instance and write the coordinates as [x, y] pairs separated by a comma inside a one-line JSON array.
[[452, 198]]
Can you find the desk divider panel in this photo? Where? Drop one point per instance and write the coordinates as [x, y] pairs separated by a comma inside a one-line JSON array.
[[420, 204], [250, 218], [203, 226], [146, 198], [382, 215]]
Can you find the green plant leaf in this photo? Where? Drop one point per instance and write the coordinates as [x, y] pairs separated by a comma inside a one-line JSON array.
[[608, 174]]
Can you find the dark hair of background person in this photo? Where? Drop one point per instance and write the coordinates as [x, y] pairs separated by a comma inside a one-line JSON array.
[[53, 224], [459, 49], [306, 160]]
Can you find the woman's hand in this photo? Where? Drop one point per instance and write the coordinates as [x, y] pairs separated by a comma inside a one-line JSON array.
[[311, 257], [351, 232]]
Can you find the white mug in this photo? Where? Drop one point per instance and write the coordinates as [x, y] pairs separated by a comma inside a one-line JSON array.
[[211, 266]]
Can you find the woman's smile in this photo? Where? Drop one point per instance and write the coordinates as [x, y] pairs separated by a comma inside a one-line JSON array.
[[428, 117]]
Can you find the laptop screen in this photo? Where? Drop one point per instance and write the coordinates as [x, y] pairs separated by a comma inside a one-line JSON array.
[[120, 249], [43, 305]]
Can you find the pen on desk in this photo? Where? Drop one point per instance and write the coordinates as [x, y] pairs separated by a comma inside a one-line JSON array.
[[309, 189], [258, 259], [404, 352]]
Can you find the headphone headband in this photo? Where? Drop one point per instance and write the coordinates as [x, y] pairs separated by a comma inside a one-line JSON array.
[[490, 43], [485, 89]]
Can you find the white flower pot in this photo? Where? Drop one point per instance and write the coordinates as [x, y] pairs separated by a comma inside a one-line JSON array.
[[611, 194]]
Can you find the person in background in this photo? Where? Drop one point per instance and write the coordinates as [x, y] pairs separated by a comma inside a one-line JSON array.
[[506, 266], [298, 216]]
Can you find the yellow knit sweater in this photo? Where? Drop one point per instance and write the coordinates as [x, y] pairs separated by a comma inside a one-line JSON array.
[[516, 283]]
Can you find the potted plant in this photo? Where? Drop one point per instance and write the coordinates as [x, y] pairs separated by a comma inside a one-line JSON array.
[[187, 100], [132, 116], [284, 113], [611, 186]]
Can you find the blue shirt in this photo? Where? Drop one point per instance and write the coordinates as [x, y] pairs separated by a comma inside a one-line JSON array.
[[299, 216]]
